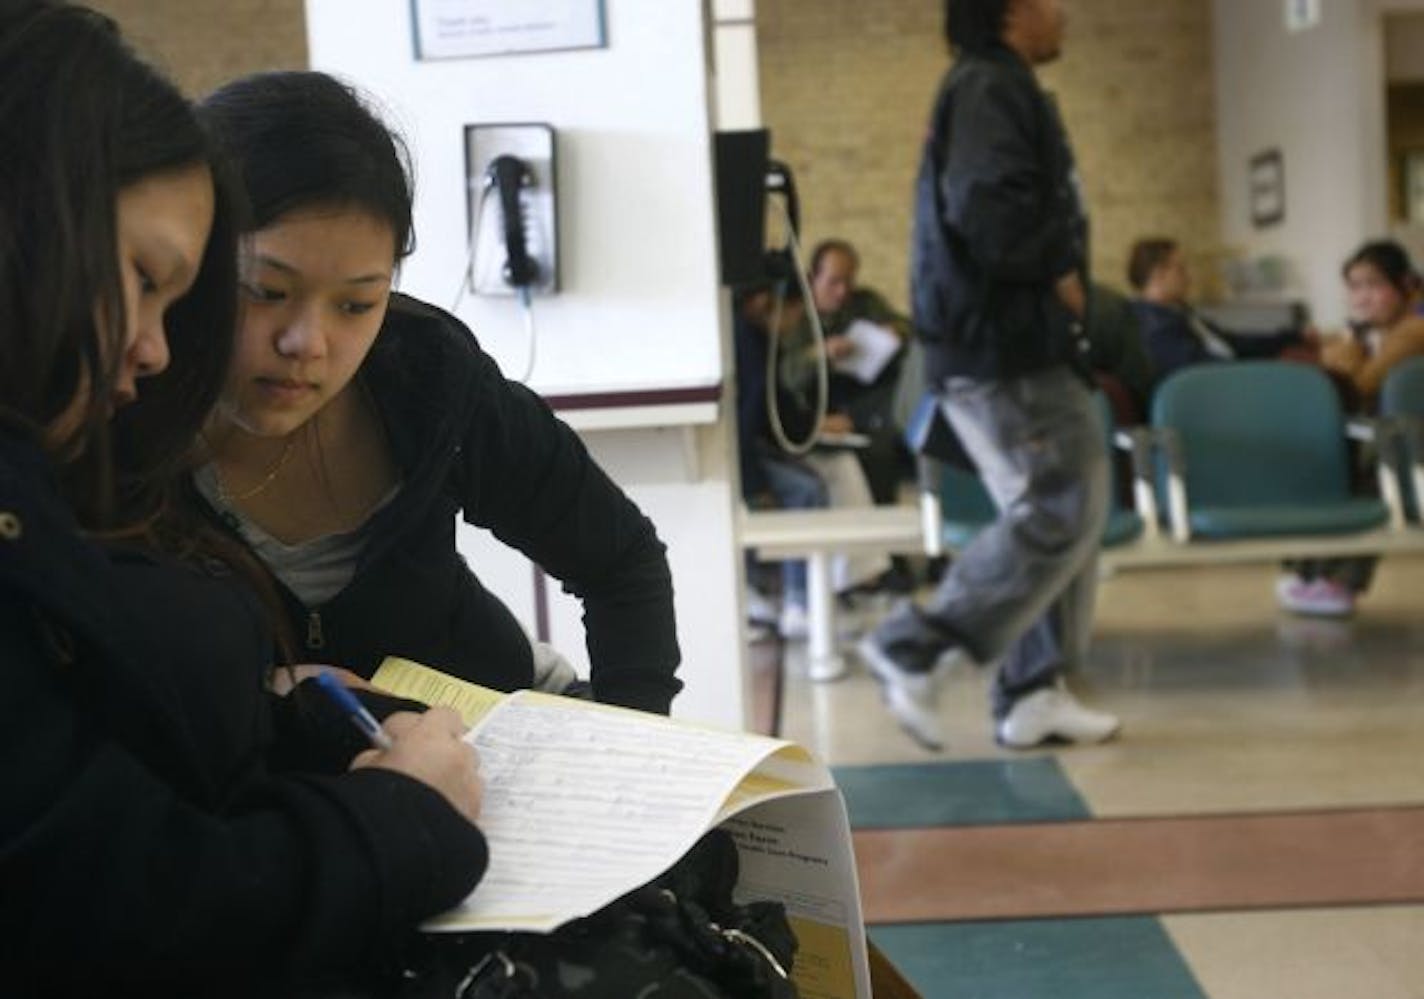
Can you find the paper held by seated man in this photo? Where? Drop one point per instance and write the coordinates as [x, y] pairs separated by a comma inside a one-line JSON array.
[[875, 347]]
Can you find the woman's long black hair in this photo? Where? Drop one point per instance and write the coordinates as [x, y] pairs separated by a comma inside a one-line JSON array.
[[81, 117], [302, 140]]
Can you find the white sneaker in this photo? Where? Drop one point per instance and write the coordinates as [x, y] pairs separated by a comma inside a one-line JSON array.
[[1053, 714], [1316, 598], [795, 624], [912, 698]]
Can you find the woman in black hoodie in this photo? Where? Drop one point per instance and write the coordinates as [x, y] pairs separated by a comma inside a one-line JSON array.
[[358, 423], [154, 838]]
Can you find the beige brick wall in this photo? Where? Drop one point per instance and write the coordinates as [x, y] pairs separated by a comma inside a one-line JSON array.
[[846, 87], [202, 43]]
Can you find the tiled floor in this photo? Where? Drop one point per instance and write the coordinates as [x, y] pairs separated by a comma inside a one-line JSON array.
[[1229, 709], [1143, 866], [1227, 705]]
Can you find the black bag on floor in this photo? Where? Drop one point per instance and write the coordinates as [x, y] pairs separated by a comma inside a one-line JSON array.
[[679, 937]]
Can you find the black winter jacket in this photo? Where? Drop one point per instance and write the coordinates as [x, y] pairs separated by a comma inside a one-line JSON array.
[[998, 219], [149, 845], [1171, 343], [469, 442]]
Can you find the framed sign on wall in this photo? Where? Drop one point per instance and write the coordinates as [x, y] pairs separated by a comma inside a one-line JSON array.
[[462, 29], [1267, 188]]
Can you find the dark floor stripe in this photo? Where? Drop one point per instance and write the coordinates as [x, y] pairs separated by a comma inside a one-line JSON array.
[[1120, 958], [1142, 866], [977, 792]]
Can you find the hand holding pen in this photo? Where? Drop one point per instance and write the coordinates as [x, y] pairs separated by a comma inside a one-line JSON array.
[[428, 747], [355, 710]]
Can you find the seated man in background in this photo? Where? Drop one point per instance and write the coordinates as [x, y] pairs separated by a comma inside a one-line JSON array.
[[866, 349], [1174, 335], [865, 341]]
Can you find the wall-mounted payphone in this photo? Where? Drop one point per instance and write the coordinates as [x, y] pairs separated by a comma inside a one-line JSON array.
[[748, 181], [513, 225], [510, 173]]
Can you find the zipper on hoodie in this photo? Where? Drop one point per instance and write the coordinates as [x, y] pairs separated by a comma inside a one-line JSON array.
[[316, 639]]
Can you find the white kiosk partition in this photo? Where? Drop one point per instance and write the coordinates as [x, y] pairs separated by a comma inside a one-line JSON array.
[[632, 348]]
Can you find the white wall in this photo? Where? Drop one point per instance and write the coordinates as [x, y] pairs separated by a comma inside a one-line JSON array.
[[1319, 96], [635, 222], [640, 306]]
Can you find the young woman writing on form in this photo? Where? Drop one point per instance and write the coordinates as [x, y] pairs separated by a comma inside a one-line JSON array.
[[150, 841]]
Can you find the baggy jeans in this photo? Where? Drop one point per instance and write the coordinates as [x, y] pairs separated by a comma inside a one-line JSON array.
[[1024, 588]]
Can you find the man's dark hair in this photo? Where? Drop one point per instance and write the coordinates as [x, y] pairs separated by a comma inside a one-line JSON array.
[[974, 25], [1147, 255], [1387, 257], [828, 246], [81, 118]]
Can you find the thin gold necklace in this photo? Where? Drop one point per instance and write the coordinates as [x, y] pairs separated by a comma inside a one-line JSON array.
[[267, 479]]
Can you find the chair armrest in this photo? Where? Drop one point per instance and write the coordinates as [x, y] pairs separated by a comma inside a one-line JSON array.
[[1170, 446], [1387, 436], [1140, 443], [1364, 429], [931, 510], [1410, 430]]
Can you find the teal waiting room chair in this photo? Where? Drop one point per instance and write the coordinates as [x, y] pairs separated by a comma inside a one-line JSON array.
[[1256, 449]]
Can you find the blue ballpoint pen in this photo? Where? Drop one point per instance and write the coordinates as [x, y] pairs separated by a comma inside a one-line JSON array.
[[360, 717]]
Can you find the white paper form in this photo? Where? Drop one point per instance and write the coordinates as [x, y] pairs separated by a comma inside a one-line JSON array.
[[583, 802], [796, 851], [875, 346]]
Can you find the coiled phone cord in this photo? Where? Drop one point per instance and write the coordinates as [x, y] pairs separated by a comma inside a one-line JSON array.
[[818, 336], [526, 298]]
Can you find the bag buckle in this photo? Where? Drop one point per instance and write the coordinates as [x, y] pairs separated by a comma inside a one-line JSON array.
[[473, 976], [747, 940]]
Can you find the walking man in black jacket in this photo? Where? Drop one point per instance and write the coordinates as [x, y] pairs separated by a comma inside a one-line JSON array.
[[999, 264]]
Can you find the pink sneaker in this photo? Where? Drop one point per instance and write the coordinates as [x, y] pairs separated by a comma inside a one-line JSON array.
[[1316, 598]]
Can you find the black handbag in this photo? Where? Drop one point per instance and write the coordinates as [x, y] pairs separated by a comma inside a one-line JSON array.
[[679, 937]]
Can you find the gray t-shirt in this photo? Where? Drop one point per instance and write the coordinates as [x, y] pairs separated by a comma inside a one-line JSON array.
[[314, 570]]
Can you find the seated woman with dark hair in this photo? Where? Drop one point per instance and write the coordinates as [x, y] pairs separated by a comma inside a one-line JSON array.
[[153, 840], [1383, 331], [358, 423], [1174, 335], [1384, 327]]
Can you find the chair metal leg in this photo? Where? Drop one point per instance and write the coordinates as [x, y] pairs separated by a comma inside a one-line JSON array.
[[825, 663]]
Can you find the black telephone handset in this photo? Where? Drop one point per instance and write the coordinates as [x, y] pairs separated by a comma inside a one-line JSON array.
[[780, 181], [509, 175]]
